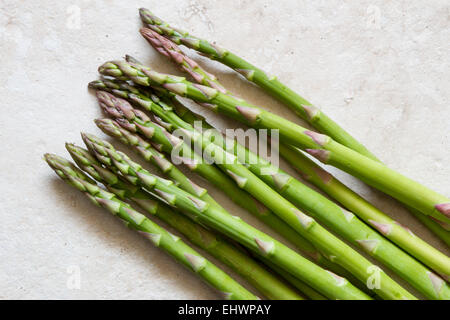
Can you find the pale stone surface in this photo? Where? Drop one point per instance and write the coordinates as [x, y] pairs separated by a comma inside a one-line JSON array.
[[379, 68]]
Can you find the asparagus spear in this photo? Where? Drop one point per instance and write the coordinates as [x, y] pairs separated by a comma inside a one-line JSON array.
[[325, 282], [327, 212], [207, 171], [150, 154], [305, 225], [320, 146], [171, 50], [265, 282], [313, 173], [270, 84], [390, 228], [340, 221], [438, 228], [113, 129], [157, 235]]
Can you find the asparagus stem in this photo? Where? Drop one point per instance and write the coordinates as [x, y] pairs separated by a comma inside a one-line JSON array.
[[113, 129], [306, 226], [111, 105], [301, 286], [296, 192], [335, 218], [156, 234], [347, 225], [265, 282], [313, 173], [158, 159], [324, 281], [320, 146], [391, 229], [195, 163], [435, 226], [270, 84], [171, 50]]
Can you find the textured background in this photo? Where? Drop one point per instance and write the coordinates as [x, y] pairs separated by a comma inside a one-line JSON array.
[[379, 68]]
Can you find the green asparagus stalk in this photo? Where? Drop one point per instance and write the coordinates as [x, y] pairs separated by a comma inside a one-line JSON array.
[[390, 228], [330, 214], [301, 286], [157, 235], [438, 228], [113, 129], [305, 225], [383, 223], [303, 108], [265, 282], [150, 154], [193, 162], [112, 106], [327, 283], [341, 221], [320, 146], [171, 50], [422, 251]]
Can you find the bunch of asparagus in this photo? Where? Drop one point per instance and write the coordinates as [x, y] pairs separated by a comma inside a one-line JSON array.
[[147, 114]]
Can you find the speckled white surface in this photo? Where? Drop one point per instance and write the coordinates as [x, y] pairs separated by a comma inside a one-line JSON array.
[[379, 68]]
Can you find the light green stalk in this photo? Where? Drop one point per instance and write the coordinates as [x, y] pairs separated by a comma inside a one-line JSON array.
[[155, 133], [157, 235], [313, 173], [438, 228], [113, 129], [150, 154], [391, 229], [264, 281], [303, 224], [339, 220], [303, 108], [320, 146], [332, 286], [327, 212], [383, 223], [171, 50]]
